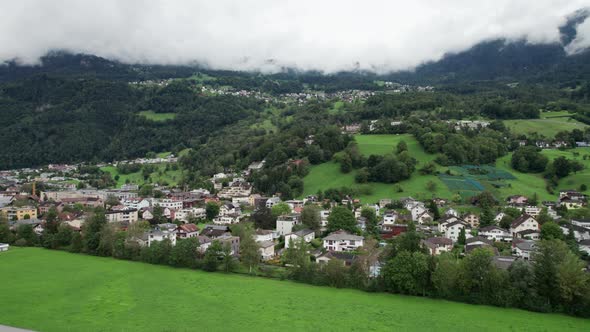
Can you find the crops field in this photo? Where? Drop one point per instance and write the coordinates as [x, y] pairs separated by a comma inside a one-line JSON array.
[[51, 291], [548, 125]]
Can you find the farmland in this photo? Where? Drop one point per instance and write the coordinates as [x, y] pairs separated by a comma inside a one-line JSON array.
[[39, 292], [548, 125]]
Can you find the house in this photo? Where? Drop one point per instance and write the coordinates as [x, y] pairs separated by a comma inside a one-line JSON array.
[[147, 214], [452, 212], [347, 258], [266, 249], [384, 202], [136, 203], [517, 200], [533, 211], [499, 217], [227, 219], [479, 242], [585, 246], [285, 223], [229, 209], [572, 199], [186, 214], [186, 231], [523, 248], [4, 246], [324, 214], [6, 200], [580, 233], [272, 202], [306, 234], [204, 243], [215, 231], [472, 219], [582, 223], [445, 221], [44, 207], [236, 189], [495, 233], [232, 241], [454, 230], [261, 235], [174, 204], [343, 241], [19, 213], [425, 218], [157, 235], [522, 223], [530, 234], [438, 245], [122, 214]]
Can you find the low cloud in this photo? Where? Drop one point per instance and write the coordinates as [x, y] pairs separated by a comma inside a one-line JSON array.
[[328, 35]]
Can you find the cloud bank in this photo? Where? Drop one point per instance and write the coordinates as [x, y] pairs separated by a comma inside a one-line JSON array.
[[326, 35]]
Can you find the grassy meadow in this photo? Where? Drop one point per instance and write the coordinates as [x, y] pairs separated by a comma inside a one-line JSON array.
[[57, 291], [328, 175], [170, 176], [151, 115], [548, 125]]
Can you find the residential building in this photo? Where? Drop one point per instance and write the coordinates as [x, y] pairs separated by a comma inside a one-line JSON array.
[[438, 245], [523, 248], [342, 241], [187, 231], [472, 219], [272, 201], [285, 223], [306, 234], [495, 233], [522, 223], [454, 230], [262, 235], [267, 250], [19, 213]]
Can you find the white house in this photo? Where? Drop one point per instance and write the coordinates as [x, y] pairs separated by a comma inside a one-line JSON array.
[[229, 209], [226, 220], [285, 223], [266, 249], [136, 203], [174, 204], [4, 246], [306, 234], [122, 215], [161, 235], [585, 246], [523, 248], [523, 223], [454, 230], [581, 222], [324, 214], [262, 235], [342, 241], [445, 221], [532, 211], [438, 245], [580, 233], [495, 233], [272, 202]]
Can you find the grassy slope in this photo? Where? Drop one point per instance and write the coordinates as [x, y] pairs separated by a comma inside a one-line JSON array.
[[170, 176], [527, 184], [328, 175], [57, 291], [151, 115], [548, 125]]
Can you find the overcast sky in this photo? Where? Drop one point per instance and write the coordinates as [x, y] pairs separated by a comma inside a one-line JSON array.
[[327, 35]]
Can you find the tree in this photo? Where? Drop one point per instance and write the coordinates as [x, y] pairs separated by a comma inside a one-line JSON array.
[[249, 250], [401, 147], [212, 210], [407, 273], [574, 283], [25, 232], [342, 218], [551, 231], [77, 244], [264, 219], [431, 186], [371, 220], [544, 216], [335, 273], [345, 164], [487, 217], [158, 215], [528, 159], [64, 235], [111, 200], [227, 259], [6, 235], [91, 232], [146, 190], [185, 253], [546, 259], [461, 240], [212, 254], [280, 209], [310, 217], [433, 208], [444, 277]]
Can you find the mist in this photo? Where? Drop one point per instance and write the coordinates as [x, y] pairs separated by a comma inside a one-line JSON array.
[[264, 35]]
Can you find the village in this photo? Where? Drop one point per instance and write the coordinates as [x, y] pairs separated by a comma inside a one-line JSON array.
[[173, 214]]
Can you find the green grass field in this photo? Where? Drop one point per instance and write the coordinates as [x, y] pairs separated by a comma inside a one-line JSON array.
[[57, 291], [328, 175], [527, 184], [151, 115], [548, 125], [170, 176]]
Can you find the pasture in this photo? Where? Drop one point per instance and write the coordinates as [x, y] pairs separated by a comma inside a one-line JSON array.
[[548, 125], [57, 291], [158, 117]]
